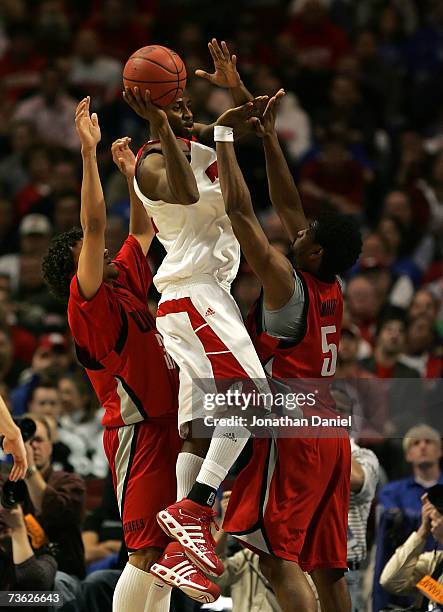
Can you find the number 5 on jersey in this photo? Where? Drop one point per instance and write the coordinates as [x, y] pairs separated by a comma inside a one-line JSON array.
[[329, 350]]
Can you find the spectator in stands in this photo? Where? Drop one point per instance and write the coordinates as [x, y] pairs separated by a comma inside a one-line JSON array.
[[92, 73], [51, 110], [13, 175], [333, 180], [50, 361], [409, 564], [35, 232], [422, 351], [10, 369], [319, 43], [242, 579], [21, 65], [405, 395], [370, 418], [424, 304], [364, 480], [401, 500], [57, 500], [364, 306], [79, 415], [38, 189], [66, 212], [70, 448], [102, 531], [29, 570]]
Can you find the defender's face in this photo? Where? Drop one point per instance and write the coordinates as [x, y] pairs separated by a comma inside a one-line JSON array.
[[110, 272], [305, 246], [180, 117]]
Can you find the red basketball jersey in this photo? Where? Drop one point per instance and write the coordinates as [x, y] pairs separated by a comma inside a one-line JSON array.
[[314, 355], [117, 343]]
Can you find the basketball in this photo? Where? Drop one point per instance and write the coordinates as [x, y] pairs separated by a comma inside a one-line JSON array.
[[158, 69]]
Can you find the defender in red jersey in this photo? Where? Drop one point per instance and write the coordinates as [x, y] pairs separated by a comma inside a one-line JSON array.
[[290, 503], [133, 376]]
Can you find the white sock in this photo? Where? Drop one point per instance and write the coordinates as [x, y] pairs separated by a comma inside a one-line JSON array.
[[226, 445], [159, 597], [187, 469], [131, 590]]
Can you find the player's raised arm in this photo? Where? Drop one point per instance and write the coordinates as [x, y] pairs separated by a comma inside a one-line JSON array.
[[93, 209], [271, 267], [12, 443], [225, 75], [282, 190], [140, 225], [167, 176]]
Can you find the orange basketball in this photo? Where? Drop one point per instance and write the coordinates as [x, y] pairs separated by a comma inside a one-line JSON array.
[[158, 69]]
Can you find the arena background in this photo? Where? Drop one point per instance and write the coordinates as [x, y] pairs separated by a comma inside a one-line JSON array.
[[362, 128]]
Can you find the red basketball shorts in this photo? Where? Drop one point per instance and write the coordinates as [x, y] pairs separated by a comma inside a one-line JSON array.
[[142, 458], [292, 500]]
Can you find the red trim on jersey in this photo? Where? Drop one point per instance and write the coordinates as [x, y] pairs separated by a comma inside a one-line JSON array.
[[151, 142], [224, 365]]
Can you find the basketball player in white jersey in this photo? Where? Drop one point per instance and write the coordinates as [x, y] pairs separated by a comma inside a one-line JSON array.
[[177, 181]]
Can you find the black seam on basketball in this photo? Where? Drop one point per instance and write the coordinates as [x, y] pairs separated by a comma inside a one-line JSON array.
[[145, 59], [164, 95], [176, 68], [140, 80]]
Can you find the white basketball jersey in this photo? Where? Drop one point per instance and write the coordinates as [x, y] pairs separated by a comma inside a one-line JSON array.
[[198, 238]]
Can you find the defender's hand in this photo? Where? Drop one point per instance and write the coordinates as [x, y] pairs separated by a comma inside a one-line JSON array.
[[16, 447], [266, 125], [123, 157], [144, 107], [87, 126], [240, 116], [225, 66]]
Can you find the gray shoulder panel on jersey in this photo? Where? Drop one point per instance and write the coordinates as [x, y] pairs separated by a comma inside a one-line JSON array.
[[287, 322]]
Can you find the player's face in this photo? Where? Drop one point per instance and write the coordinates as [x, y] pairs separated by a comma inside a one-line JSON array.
[[306, 252], [110, 272], [180, 117]]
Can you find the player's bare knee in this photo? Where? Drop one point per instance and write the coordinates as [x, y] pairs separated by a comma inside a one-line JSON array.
[[267, 566], [144, 558], [196, 446]]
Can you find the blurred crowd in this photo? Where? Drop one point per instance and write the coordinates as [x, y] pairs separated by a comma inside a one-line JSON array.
[[362, 127]]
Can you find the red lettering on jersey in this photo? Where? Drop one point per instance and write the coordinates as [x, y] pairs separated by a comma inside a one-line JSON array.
[[212, 172]]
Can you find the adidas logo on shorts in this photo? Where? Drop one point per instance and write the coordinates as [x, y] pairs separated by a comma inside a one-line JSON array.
[[209, 312]]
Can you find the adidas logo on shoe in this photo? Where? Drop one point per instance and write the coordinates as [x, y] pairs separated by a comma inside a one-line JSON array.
[[209, 312]]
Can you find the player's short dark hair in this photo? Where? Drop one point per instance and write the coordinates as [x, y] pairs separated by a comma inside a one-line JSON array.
[[58, 264], [340, 237]]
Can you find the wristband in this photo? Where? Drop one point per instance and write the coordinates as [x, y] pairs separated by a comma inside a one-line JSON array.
[[223, 133]]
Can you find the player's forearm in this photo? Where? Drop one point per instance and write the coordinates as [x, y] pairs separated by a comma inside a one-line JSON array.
[[181, 179], [282, 190], [7, 426], [240, 94], [93, 208], [139, 222], [235, 192]]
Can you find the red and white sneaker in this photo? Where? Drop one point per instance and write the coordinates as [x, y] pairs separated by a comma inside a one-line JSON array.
[[174, 568], [190, 524]]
